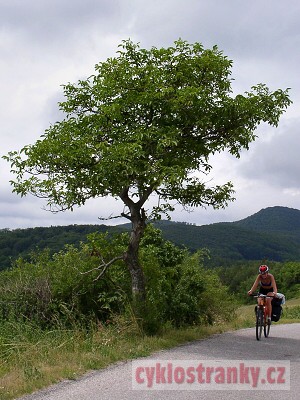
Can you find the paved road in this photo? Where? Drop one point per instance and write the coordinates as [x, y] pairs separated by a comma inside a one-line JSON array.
[[232, 348]]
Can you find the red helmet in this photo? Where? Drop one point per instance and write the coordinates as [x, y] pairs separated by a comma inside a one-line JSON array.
[[263, 269]]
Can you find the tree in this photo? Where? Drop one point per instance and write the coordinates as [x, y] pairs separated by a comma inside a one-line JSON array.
[[145, 123]]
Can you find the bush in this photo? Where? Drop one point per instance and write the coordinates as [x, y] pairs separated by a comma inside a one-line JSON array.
[[198, 296], [59, 289], [181, 291], [63, 289]]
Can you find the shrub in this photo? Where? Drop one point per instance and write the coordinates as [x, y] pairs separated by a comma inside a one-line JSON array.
[[179, 289], [64, 288]]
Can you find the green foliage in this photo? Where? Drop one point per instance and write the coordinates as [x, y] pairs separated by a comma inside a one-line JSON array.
[[143, 123], [179, 289], [198, 295], [239, 277], [63, 289], [288, 278], [25, 292], [21, 242], [273, 219], [273, 233]]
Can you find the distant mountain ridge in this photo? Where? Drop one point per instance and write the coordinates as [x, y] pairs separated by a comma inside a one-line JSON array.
[[273, 219], [271, 234]]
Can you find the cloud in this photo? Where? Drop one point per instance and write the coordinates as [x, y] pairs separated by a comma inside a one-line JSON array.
[[59, 20], [44, 44], [275, 159]]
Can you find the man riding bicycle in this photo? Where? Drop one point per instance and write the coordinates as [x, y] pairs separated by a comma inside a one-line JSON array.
[[267, 286]]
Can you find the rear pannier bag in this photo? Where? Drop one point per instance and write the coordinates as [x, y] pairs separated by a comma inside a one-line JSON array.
[[276, 309]]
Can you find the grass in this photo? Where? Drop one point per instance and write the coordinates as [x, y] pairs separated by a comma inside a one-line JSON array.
[[291, 314], [32, 359]]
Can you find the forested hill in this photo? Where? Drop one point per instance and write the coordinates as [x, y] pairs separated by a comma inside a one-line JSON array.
[[273, 219], [271, 234], [20, 242]]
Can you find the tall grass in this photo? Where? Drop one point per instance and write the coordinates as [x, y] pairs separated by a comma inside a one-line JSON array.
[[32, 358], [245, 317]]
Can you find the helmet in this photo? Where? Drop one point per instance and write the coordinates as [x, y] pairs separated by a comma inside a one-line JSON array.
[[263, 269]]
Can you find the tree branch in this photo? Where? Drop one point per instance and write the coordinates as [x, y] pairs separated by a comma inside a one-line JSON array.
[[145, 196], [104, 267], [126, 216], [110, 217]]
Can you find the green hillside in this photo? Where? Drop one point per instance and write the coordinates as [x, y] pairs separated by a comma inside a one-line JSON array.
[[272, 233], [229, 242], [273, 219], [20, 242]]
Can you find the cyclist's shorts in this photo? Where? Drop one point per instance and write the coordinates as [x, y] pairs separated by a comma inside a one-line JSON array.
[[265, 290]]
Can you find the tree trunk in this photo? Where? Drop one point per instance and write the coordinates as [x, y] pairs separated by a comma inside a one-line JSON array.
[[137, 217], [131, 259]]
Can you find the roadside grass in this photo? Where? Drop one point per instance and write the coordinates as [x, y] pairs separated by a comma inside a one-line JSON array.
[[31, 359], [245, 317]]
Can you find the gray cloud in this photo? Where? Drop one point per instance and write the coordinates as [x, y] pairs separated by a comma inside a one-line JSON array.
[[56, 19], [276, 160], [44, 44]]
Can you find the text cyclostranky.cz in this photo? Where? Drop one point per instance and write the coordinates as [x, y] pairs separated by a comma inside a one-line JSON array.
[[210, 375]]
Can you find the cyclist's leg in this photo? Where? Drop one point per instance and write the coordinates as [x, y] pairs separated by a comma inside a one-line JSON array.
[[269, 304], [267, 292]]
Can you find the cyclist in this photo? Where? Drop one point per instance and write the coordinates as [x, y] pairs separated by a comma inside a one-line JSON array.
[[267, 286]]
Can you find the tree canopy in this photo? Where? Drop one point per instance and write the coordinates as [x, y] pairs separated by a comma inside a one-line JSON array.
[[145, 123], [142, 124]]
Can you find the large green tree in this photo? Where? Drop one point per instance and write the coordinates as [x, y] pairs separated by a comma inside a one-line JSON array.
[[145, 123]]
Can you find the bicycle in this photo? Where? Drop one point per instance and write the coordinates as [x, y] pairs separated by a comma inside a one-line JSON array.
[[262, 320]]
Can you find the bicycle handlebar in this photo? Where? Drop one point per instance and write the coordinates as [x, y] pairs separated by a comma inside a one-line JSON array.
[[262, 295]]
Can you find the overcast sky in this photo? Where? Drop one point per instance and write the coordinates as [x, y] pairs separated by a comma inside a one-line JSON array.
[[47, 43]]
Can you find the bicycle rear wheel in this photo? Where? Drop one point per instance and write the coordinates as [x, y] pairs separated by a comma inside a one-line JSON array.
[[259, 322]]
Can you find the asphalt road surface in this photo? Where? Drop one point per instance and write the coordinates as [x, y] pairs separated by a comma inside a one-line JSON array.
[[234, 362]]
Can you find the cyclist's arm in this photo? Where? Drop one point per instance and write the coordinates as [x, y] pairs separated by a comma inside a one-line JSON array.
[[254, 286], [274, 286]]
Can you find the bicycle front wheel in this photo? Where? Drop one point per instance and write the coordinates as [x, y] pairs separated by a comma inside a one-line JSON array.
[[259, 322], [267, 325]]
